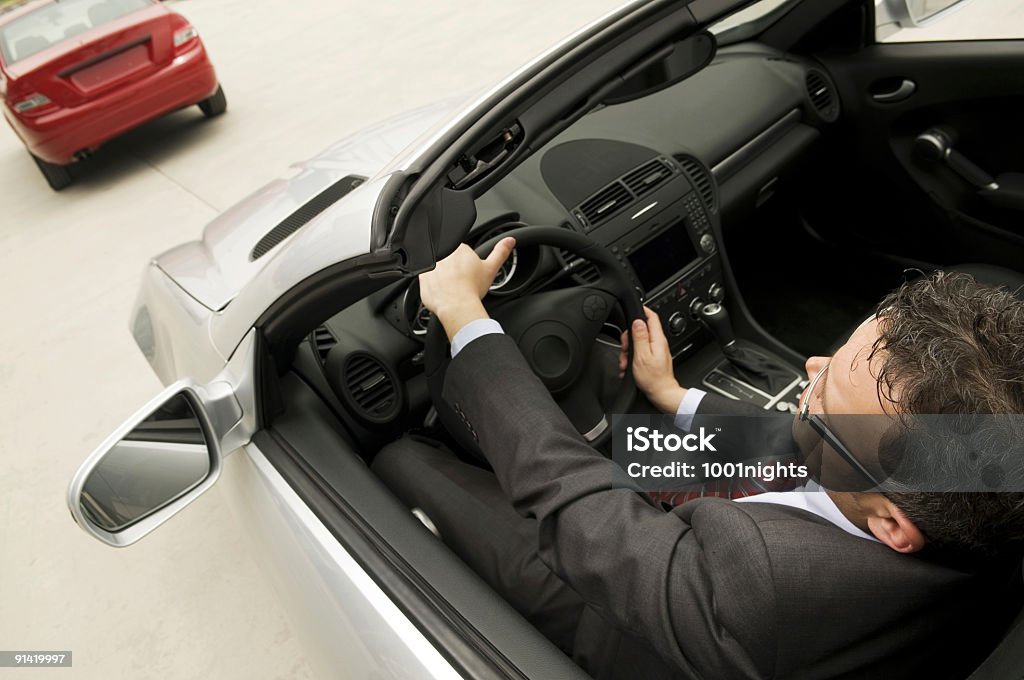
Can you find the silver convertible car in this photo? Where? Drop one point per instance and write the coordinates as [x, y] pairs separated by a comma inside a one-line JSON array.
[[756, 172]]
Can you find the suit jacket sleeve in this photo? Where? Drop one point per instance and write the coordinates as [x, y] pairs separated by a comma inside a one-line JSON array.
[[696, 583], [746, 432]]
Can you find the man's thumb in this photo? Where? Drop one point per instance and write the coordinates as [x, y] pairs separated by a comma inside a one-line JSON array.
[[500, 253], [641, 336]]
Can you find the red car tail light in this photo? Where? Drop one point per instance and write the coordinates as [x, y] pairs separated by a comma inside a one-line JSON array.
[[185, 35], [33, 104]]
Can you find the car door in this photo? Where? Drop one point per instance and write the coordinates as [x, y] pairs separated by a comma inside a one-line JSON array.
[[931, 167]]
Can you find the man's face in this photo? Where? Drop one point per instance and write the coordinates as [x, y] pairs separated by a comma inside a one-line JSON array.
[[851, 385], [847, 398]]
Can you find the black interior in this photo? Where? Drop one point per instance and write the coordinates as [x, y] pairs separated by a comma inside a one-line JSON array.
[[771, 181]]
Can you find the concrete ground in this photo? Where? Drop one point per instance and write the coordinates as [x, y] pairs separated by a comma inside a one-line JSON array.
[[990, 19], [188, 602]]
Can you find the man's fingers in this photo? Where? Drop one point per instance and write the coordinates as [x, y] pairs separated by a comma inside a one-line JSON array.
[[641, 340], [500, 254], [656, 331], [624, 353]]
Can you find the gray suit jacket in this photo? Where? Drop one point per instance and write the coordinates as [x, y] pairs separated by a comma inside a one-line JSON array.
[[715, 589]]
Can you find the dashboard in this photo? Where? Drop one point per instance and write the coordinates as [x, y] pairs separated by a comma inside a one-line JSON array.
[[653, 180]]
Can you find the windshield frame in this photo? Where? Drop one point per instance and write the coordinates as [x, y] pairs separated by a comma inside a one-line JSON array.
[[773, 11]]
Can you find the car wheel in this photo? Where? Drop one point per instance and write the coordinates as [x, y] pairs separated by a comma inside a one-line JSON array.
[[57, 176], [214, 105]]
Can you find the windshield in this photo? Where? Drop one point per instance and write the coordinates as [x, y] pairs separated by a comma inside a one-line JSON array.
[[752, 20], [57, 22]]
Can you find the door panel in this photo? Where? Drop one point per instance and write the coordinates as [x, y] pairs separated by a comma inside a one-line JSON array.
[[891, 195], [313, 506]]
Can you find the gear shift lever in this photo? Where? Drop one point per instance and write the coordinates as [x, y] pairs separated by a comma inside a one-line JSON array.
[[716, 319], [751, 367]]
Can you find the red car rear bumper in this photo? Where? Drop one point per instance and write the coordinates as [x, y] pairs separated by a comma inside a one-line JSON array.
[[56, 137]]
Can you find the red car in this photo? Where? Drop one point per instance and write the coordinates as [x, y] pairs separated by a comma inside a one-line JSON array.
[[76, 73]]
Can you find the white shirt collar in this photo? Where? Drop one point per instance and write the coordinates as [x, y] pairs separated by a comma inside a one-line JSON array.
[[813, 499]]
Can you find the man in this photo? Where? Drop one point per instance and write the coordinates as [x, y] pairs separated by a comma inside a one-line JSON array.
[[814, 585]]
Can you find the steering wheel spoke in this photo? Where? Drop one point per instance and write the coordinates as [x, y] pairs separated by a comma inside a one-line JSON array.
[[556, 330], [581, 406]]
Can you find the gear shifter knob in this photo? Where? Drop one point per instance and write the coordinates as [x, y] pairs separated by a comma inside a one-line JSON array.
[[716, 318]]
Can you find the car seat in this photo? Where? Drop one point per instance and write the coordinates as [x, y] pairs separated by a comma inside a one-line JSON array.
[[102, 13], [1007, 659], [30, 45], [983, 273], [75, 29]]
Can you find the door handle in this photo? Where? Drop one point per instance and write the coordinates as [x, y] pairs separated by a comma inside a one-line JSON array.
[[902, 91], [936, 145]]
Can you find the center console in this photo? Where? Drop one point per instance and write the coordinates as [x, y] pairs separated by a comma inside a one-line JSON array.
[[658, 226], [656, 219]]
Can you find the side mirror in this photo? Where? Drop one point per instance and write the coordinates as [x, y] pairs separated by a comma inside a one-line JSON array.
[[913, 13], [159, 461]]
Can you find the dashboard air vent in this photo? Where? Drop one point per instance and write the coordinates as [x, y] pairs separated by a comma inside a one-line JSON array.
[[647, 177], [584, 271], [605, 203], [701, 180], [823, 99], [370, 387], [323, 340]]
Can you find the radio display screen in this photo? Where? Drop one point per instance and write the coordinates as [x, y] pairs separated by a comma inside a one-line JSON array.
[[659, 259]]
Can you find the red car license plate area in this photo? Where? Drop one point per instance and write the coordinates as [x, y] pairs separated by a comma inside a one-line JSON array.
[[116, 67]]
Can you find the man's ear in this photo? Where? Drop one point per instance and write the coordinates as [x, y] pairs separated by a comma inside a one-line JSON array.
[[893, 528]]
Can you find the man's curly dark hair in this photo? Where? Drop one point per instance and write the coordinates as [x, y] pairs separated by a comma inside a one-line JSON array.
[[950, 345]]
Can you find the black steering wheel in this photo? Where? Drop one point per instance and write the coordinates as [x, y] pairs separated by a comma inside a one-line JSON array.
[[555, 331]]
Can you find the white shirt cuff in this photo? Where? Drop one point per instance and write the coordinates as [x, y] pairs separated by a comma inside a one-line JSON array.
[[688, 408], [473, 331]]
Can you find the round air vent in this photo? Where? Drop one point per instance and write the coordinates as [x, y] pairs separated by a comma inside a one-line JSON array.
[[518, 270], [369, 388], [822, 95]]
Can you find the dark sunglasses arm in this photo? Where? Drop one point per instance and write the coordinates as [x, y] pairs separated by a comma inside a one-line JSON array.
[[826, 434]]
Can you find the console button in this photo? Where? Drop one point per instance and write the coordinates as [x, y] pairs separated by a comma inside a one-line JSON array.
[[716, 293], [695, 307], [707, 243], [677, 324], [786, 407]]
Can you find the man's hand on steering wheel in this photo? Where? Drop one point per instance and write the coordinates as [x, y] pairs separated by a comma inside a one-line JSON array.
[[555, 330], [453, 291], [652, 363]]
